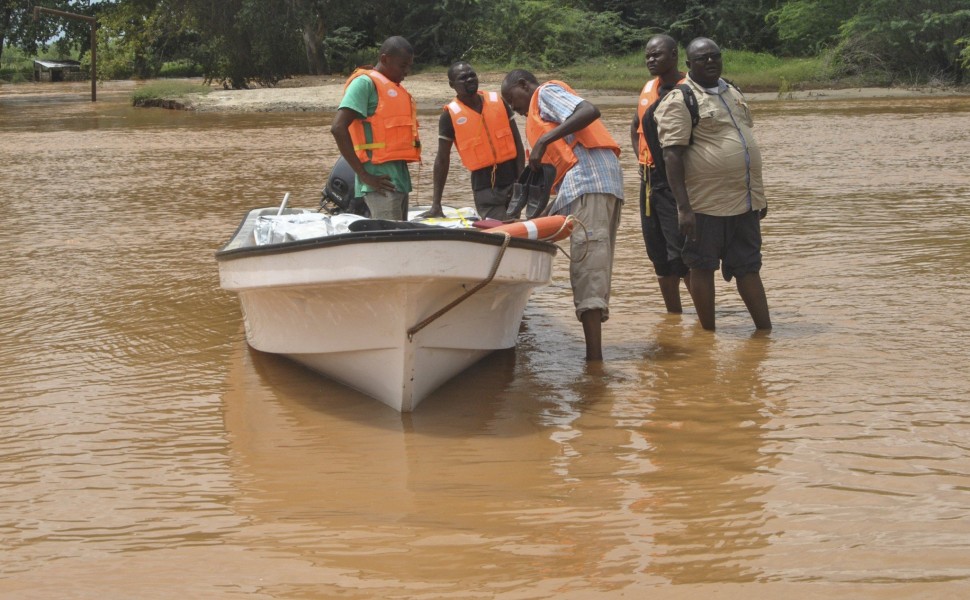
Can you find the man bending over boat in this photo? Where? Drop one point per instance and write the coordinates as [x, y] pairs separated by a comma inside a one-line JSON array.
[[480, 125], [378, 145], [566, 132]]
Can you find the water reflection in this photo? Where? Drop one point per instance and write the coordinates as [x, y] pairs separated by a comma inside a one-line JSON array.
[[476, 482], [704, 438]]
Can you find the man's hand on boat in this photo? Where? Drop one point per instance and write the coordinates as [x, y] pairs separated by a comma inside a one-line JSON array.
[[382, 182]]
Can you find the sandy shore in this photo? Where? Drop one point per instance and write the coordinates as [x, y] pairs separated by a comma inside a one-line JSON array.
[[318, 94], [323, 94]]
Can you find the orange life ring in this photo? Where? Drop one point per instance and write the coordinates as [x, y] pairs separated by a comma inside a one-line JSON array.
[[547, 229]]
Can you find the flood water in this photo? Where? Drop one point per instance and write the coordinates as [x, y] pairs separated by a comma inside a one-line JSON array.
[[147, 452]]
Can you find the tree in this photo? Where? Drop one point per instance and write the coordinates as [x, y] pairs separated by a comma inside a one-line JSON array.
[[331, 30], [805, 27], [138, 36], [441, 31], [18, 27], [730, 23], [549, 34], [914, 40]]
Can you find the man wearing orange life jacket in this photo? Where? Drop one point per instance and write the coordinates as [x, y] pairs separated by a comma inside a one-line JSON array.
[[376, 130], [480, 125], [565, 131], [658, 207]]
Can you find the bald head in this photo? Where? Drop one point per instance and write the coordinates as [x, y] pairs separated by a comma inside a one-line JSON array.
[[517, 89], [396, 58], [704, 61], [661, 58], [397, 46], [517, 75], [664, 42], [701, 45], [456, 68], [464, 80]]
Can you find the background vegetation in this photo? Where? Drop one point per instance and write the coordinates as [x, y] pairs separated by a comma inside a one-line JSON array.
[[240, 42]]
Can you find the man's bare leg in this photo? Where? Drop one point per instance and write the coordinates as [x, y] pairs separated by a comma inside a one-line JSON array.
[[593, 330], [752, 291], [702, 293]]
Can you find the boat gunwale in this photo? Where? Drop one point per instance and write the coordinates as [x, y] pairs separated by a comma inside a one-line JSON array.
[[392, 235]]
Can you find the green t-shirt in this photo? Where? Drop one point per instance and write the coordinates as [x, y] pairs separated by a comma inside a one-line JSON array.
[[361, 97]]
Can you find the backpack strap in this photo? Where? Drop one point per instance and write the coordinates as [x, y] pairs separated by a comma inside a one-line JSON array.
[[691, 101]]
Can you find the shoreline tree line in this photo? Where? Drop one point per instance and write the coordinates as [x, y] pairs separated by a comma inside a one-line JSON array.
[[239, 42]]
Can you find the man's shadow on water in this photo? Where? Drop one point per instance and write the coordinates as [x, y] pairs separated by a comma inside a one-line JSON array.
[[704, 437]]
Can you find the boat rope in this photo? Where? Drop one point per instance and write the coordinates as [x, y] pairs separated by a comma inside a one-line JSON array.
[[467, 294], [585, 232]]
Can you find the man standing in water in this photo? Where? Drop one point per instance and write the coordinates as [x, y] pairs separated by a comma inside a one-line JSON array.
[[658, 207], [566, 132], [379, 144], [714, 170], [480, 125]]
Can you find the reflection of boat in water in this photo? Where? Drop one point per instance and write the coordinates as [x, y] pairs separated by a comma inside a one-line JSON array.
[[385, 505], [375, 309], [297, 452]]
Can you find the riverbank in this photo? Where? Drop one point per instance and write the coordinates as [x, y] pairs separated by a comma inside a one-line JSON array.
[[431, 90]]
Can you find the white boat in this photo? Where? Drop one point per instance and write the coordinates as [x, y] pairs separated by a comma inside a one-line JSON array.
[[373, 309]]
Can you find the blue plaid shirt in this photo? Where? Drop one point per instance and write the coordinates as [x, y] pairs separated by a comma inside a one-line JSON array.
[[598, 170]]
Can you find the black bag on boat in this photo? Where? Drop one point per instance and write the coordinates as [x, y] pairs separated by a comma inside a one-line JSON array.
[[385, 225], [531, 192]]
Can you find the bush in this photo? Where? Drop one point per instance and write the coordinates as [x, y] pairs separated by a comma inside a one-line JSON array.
[[341, 53], [541, 35], [114, 61], [180, 68], [751, 71], [167, 90], [918, 43], [19, 75], [806, 27]]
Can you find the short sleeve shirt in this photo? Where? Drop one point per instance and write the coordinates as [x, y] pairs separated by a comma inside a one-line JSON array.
[[361, 97], [506, 172], [723, 164], [597, 170]]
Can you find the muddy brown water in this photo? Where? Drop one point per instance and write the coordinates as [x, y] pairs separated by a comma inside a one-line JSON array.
[[148, 453]]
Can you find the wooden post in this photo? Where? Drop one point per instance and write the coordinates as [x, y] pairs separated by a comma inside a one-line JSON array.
[[94, 60], [94, 41]]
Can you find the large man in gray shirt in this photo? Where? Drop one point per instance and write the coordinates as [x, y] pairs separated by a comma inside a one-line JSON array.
[[714, 171]]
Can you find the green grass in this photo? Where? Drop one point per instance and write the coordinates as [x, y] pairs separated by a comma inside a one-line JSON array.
[[751, 71], [167, 90]]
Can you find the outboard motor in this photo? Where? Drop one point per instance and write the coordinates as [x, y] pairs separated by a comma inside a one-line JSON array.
[[339, 192]]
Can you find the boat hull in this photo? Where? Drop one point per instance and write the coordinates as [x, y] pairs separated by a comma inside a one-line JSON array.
[[344, 305]]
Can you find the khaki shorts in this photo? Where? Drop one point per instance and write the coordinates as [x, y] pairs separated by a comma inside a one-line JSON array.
[[391, 206], [493, 203], [591, 269]]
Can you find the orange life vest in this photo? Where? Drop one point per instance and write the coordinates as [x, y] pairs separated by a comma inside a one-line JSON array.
[[485, 139], [559, 153], [648, 96], [394, 125]]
